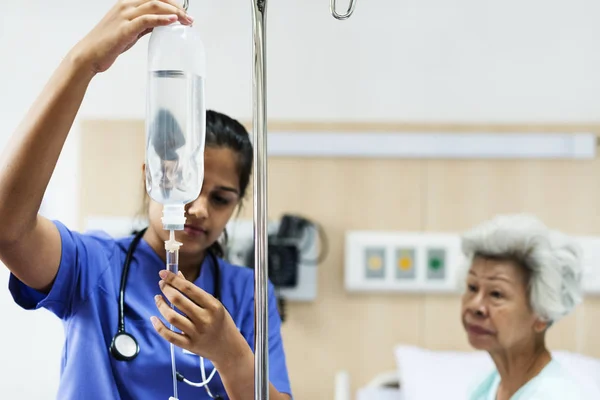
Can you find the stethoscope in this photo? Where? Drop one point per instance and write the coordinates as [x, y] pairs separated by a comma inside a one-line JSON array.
[[124, 347]]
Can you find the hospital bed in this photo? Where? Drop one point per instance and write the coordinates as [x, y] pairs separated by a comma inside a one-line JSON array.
[[423, 374]]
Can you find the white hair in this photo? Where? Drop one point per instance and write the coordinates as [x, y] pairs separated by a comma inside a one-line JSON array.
[[552, 259]]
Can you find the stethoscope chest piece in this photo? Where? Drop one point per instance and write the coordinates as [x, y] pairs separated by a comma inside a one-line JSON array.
[[124, 347]]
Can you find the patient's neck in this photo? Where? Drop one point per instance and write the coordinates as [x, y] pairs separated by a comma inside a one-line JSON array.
[[519, 365]]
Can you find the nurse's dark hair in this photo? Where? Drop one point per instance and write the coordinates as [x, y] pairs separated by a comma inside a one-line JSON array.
[[223, 131]]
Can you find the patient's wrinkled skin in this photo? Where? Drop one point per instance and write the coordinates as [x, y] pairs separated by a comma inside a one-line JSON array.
[[495, 306]]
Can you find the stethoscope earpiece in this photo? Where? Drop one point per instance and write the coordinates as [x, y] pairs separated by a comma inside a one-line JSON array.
[[124, 347]]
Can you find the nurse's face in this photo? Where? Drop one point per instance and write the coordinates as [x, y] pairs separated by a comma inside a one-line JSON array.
[[207, 216], [496, 313]]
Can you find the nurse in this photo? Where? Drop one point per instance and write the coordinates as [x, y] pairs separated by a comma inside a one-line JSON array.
[[78, 276], [522, 278]]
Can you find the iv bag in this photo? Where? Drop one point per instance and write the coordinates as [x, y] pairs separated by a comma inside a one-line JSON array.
[[175, 117]]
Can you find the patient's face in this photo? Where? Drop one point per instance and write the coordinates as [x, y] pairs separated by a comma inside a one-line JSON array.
[[495, 306]]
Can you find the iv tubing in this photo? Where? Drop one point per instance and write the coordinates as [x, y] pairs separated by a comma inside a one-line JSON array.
[[172, 248]]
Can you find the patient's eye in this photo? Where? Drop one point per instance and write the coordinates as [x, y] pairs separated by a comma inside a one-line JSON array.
[[472, 288], [496, 294]]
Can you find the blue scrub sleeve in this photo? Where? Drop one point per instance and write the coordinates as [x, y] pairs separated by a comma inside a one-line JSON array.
[[278, 372], [83, 259]]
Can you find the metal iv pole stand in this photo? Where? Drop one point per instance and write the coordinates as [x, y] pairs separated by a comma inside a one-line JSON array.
[[261, 305]]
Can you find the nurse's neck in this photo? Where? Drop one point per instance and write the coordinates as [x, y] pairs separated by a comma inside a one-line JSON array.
[[190, 268], [189, 265]]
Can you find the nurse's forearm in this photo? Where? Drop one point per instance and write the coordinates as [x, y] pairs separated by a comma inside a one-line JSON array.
[[238, 378]]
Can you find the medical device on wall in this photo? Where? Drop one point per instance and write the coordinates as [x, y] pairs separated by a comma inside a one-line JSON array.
[[296, 245]]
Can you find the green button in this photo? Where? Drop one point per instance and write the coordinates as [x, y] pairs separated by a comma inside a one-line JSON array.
[[435, 263]]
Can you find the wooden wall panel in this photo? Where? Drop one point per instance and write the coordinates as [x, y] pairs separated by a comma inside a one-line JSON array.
[[357, 332]]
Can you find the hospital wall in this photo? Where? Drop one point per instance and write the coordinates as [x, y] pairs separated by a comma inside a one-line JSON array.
[[394, 62], [358, 332]]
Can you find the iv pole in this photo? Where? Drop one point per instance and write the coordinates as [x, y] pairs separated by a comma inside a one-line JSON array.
[[261, 306]]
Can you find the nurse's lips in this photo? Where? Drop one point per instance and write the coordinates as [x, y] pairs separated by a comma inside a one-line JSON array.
[[193, 230]]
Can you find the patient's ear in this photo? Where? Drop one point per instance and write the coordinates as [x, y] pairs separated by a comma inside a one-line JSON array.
[[144, 175], [540, 325]]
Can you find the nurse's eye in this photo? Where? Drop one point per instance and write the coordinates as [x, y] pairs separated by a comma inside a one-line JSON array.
[[220, 200]]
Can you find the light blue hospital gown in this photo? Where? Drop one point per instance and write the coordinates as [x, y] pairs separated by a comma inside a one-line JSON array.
[[552, 383]]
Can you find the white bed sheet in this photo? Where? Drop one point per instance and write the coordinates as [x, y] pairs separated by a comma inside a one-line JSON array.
[[378, 394]]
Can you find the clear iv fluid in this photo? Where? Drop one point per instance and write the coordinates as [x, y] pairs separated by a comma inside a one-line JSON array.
[[175, 119], [175, 136]]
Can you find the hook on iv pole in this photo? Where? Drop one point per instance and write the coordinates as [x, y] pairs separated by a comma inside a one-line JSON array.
[[333, 7]]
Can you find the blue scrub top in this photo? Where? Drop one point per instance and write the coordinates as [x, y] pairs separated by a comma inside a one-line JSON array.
[[85, 297]]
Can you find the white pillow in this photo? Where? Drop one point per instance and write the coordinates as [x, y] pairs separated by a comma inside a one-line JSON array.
[[370, 393], [449, 375], [426, 374], [583, 369]]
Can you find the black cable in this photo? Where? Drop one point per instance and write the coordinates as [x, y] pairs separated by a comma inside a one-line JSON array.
[[324, 245], [281, 306]]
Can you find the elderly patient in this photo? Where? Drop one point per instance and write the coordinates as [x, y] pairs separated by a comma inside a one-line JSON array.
[[522, 278]]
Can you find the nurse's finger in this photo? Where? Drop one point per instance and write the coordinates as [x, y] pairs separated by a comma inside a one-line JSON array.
[[187, 306], [178, 339], [192, 291], [173, 317], [144, 9]]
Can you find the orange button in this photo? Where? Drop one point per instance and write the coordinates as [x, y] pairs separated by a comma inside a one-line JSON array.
[[405, 263]]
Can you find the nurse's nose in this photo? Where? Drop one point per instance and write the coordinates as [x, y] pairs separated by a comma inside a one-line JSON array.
[[199, 207]]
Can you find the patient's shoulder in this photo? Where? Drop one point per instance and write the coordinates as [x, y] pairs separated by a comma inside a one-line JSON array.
[[487, 388], [553, 383]]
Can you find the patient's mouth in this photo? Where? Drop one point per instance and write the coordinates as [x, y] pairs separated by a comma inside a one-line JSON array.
[[478, 330]]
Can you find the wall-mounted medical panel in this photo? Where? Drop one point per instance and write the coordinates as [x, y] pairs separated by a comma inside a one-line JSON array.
[[407, 262], [413, 262]]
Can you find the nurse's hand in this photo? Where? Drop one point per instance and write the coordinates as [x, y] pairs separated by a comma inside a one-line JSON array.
[[125, 23], [207, 328]]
